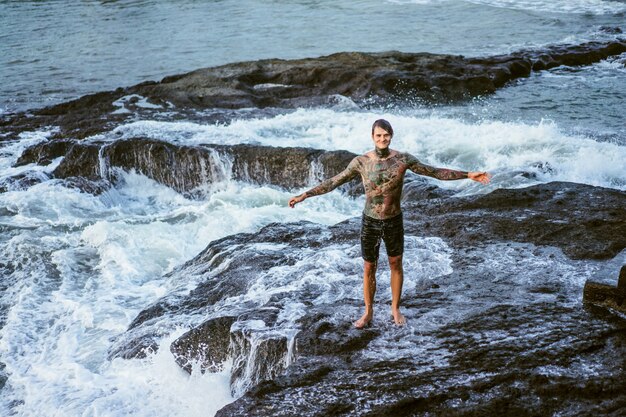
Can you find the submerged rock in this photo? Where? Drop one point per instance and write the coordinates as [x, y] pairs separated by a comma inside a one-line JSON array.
[[205, 345]]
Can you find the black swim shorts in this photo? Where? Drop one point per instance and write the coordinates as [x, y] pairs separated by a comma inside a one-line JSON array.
[[391, 231]]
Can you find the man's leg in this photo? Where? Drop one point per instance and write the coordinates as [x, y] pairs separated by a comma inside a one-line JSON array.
[[397, 278], [369, 290]]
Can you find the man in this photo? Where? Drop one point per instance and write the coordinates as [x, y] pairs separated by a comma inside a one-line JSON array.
[[382, 171]]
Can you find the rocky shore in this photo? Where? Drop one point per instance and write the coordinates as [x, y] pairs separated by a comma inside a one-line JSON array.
[[494, 353]]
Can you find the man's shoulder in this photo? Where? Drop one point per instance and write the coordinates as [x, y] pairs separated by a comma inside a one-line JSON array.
[[406, 157], [361, 159], [358, 161]]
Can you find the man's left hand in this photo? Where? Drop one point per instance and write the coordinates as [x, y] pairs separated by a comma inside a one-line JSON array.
[[481, 177]]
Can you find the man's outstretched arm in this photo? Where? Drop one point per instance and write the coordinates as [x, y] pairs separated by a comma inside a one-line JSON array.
[[330, 184], [447, 174]]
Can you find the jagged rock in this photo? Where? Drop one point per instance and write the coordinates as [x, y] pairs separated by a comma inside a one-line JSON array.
[[205, 345], [95, 187], [366, 78], [256, 358], [81, 160], [45, 152], [605, 296], [185, 168], [320, 336], [223, 262], [136, 346], [477, 378]]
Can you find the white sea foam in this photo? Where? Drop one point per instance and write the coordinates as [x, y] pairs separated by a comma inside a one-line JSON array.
[[503, 148], [137, 101], [11, 151], [597, 7], [557, 6]]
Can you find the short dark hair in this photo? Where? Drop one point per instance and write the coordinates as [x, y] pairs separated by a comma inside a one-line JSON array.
[[383, 124]]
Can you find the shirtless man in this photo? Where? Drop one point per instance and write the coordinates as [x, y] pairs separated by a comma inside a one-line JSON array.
[[382, 171]]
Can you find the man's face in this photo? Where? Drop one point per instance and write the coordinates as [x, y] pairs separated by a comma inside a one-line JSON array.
[[381, 138]]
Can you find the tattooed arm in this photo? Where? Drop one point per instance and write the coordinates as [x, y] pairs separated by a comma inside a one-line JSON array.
[[444, 173], [330, 184], [439, 173]]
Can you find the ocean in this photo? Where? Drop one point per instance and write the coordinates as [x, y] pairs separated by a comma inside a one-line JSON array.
[[76, 268]]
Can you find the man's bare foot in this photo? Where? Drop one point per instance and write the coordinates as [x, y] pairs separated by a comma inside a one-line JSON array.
[[364, 321], [398, 318]]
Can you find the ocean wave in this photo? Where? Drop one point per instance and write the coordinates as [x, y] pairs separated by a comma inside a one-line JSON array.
[[557, 6]]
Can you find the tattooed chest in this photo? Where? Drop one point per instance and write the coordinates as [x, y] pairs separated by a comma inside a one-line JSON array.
[[381, 175]]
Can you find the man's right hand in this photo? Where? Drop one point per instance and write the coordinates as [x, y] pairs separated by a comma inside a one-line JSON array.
[[295, 200]]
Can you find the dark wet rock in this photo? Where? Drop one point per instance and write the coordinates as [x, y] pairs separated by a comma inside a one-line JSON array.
[[320, 336], [140, 341], [185, 168], [81, 160], [205, 345], [228, 263], [78, 118], [586, 222], [228, 266], [606, 295], [366, 78], [45, 152], [483, 374], [95, 187], [255, 358], [136, 348], [3, 375], [387, 76]]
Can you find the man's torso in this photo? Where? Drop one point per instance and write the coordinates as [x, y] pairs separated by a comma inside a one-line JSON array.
[[382, 180]]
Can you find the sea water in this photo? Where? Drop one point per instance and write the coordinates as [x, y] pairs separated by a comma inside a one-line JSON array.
[[75, 268]]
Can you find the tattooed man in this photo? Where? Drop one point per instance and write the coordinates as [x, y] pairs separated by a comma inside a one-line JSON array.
[[382, 171]]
